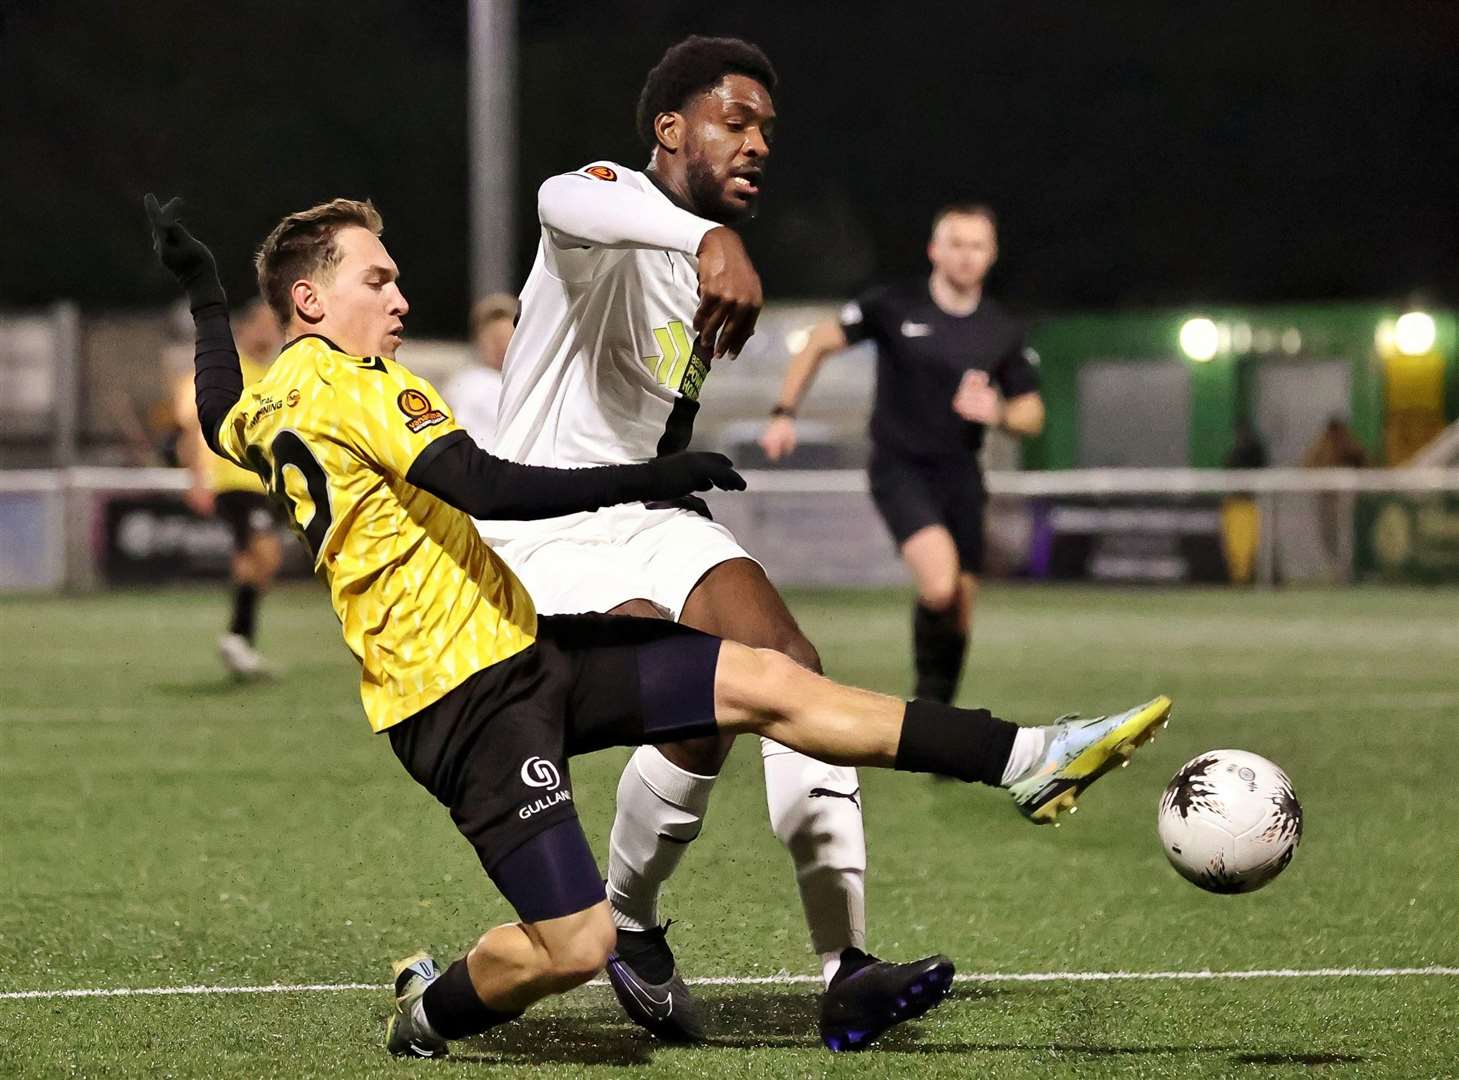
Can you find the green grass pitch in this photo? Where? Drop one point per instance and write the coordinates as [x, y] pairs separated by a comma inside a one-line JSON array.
[[160, 827]]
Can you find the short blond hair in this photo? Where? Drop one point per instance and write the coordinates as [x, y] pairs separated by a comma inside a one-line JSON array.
[[302, 246], [490, 308]]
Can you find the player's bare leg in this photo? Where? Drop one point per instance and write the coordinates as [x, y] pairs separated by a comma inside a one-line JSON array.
[[942, 624], [1045, 768], [510, 968]]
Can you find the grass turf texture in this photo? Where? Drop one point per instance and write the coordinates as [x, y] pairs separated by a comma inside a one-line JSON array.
[[162, 826]]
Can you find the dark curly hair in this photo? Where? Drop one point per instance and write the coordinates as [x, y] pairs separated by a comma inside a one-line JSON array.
[[693, 65]]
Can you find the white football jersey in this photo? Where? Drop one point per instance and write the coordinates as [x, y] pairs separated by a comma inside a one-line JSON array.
[[603, 366]]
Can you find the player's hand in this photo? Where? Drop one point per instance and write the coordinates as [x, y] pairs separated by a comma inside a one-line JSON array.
[[183, 253], [696, 471], [976, 401], [730, 297], [778, 441]]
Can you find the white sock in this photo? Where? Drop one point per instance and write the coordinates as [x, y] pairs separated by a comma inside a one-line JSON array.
[[418, 1018], [1028, 751], [830, 964], [815, 817], [660, 809]]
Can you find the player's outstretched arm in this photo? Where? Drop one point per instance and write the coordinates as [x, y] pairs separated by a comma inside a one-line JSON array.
[[458, 472], [217, 378], [580, 211]]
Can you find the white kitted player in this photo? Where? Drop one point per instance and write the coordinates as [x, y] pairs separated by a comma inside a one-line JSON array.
[[638, 287]]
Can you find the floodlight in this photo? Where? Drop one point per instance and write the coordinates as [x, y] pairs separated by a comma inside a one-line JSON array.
[[1199, 339]]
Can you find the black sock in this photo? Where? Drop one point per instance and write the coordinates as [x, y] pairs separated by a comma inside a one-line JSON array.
[[245, 605], [647, 954], [852, 961], [968, 744], [939, 645], [453, 1008]]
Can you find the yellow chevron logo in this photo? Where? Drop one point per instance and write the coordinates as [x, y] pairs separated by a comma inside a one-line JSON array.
[[676, 366]]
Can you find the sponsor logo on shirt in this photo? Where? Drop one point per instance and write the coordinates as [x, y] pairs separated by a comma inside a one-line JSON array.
[[915, 329], [266, 405], [420, 413], [539, 772], [601, 172], [536, 806]]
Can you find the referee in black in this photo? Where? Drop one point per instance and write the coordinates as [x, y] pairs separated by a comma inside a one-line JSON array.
[[951, 363]]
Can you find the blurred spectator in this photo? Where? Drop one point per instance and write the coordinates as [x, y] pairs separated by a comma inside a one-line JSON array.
[[1336, 448], [474, 392], [1247, 449], [1240, 516]]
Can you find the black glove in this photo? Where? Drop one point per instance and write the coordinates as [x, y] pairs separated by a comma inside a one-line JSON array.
[[183, 253], [679, 474]]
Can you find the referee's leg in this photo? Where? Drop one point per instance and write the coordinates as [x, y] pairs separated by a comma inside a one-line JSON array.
[[942, 622]]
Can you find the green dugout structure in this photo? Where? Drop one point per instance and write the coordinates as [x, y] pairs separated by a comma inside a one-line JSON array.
[[1168, 388]]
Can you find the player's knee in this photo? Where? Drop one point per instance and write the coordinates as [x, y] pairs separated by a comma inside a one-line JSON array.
[[577, 959], [778, 673], [940, 593], [703, 757]]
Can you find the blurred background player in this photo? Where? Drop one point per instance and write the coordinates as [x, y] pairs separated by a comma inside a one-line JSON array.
[[236, 495], [951, 363], [474, 392], [637, 288]]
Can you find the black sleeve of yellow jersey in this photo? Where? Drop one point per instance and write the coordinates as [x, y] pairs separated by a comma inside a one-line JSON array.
[[217, 378], [456, 471]]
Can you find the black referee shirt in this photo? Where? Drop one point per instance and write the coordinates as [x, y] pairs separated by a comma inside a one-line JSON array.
[[922, 355]]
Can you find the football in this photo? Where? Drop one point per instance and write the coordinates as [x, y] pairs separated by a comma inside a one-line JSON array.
[[1230, 821]]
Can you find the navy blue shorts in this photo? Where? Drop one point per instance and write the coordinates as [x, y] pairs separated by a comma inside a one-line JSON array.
[[911, 494], [495, 750]]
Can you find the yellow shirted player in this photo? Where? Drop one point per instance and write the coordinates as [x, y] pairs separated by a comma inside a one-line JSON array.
[[236, 495], [482, 702], [422, 600]]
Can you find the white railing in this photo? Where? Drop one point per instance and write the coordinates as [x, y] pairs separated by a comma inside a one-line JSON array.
[[818, 526]]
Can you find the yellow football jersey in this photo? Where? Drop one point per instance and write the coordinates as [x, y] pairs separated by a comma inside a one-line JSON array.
[[423, 601], [223, 475]]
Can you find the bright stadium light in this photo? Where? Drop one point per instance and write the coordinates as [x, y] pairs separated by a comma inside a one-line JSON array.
[[1199, 339], [1413, 333]]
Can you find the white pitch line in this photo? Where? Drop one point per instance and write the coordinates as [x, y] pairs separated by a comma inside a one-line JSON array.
[[790, 980]]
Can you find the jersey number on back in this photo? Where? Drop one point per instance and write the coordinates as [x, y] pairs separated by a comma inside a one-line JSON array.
[[291, 452], [678, 365]]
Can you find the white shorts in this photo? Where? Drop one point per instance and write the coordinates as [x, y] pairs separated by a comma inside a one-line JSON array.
[[594, 562]]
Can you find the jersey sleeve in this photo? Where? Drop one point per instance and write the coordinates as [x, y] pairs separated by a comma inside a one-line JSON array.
[[389, 415], [1016, 373], [597, 206], [232, 442], [858, 317]]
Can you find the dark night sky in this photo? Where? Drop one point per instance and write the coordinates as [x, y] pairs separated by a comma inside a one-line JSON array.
[[1138, 153]]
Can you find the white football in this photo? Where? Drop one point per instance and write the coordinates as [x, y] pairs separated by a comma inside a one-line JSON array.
[[1230, 821]]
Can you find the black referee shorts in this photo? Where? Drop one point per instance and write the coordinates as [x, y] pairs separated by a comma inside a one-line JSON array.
[[246, 513], [911, 494], [495, 749]]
